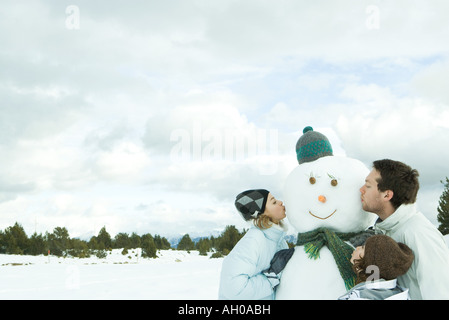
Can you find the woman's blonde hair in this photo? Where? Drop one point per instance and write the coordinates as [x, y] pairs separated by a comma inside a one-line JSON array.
[[263, 221]]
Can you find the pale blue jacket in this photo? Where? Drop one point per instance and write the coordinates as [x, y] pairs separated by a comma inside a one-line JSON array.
[[241, 273]]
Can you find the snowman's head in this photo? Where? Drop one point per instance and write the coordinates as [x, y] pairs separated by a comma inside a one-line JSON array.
[[325, 193]]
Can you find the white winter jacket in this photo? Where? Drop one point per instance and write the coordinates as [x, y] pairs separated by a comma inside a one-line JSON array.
[[377, 290], [241, 273], [428, 276]]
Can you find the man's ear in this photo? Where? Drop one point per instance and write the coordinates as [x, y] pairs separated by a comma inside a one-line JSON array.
[[388, 195]]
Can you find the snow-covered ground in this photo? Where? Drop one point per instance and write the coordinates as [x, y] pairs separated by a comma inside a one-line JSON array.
[[174, 275]]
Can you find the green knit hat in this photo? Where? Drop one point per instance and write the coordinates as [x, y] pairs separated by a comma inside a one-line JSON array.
[[312, 145]]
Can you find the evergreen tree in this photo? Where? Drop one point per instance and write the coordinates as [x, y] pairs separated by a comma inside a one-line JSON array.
[[2, 242], [213, 242], [37, 245], [186, 243], [148, 247], [15, 240], [79, 248], [93, 243], [161, 242], [443, 209], [203, 246], [135, 240], [58, 241], [122, 240], [104, 239], [228, 239]]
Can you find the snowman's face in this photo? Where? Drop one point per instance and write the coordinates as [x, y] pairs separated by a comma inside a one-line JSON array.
[[325, 193]]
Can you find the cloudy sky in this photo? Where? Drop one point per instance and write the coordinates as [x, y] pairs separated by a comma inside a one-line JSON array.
[[150, 116]]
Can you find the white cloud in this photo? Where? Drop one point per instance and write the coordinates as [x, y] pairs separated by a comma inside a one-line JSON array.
[[406, 129], [98, 112], [211, 147], [425, 83], [124, 162]]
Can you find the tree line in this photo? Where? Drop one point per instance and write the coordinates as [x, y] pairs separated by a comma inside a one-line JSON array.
[[220, 245], [14, 240]]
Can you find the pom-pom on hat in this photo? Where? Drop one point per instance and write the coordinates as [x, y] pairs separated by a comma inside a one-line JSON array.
[[312, 145], [251, 203]]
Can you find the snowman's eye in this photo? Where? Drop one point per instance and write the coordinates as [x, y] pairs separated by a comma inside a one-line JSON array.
[[334, 182], [312, 180]]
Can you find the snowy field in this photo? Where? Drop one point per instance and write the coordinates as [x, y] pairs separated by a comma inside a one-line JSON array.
[[174, 275]]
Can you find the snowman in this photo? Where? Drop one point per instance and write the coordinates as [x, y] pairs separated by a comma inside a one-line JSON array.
[[323, 204]]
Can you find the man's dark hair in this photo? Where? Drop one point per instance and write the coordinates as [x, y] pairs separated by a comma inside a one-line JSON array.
[[399, 178]]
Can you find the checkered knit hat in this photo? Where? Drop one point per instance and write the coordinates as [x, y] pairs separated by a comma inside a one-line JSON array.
[[312, 145], [251, 203]]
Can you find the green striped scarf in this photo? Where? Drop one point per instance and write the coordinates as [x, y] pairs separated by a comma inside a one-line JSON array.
[[314, 240]]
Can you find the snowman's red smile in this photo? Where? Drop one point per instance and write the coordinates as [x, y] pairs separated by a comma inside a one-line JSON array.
[[322, 218]]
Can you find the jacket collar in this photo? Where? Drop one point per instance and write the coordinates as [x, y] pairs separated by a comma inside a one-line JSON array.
[[381, 284], [275, 232], [403, 213]]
